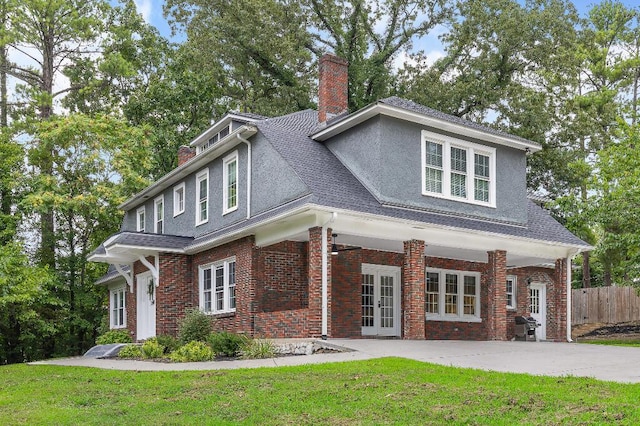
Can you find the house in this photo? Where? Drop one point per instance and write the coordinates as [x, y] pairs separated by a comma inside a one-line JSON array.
[[395, 220]]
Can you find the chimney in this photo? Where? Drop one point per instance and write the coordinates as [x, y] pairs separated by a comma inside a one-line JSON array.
[[185, 154], [333, 87]]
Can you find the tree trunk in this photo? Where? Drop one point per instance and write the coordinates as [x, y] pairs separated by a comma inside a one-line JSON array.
[[586, 271]]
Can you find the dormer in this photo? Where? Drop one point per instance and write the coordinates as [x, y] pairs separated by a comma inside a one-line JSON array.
[[220, 129]]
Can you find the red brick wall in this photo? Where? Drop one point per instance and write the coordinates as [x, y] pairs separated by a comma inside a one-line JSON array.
[[333, 86], [281, 280], [176, 292], [346, 280], [246, 258], [496, 295], [282, 324], [413, 297]]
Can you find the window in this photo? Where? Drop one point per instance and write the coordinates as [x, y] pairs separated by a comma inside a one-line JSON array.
[[230, 183], [213, 139], [511, 292], [159, 214], [452, 295], [218, 287], [118, 311], [178, 200], [202, 197], [457, 170], [140, 219]]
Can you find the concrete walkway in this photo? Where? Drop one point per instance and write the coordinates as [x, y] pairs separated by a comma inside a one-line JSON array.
[[620, 364]]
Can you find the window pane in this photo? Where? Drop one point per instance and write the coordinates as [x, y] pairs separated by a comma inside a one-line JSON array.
[[434, 154], [458, 159], [469, 295], [206, 285], [481, 192], [203, 194], [219, 288], [433, 180], [224, 132], [231, 184], [367, 300], [432, 286], [451, 294], [481, 165], [232, 285], [458, 185]]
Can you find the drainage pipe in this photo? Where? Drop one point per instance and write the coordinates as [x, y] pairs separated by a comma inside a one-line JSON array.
[[248, 173]]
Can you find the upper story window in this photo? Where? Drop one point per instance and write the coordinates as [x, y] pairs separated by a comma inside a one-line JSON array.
[[178, 199], [118, 309], [202, 197], [140, 219], [159, 215], [230, 183], [452, 295], [213, 139], [458, 170], [511, 292], [218, 286]]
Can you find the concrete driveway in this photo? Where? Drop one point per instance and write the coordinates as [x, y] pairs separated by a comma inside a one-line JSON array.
[[620, 364]]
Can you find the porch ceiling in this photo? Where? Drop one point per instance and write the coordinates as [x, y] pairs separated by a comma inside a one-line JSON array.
[[385, 235]]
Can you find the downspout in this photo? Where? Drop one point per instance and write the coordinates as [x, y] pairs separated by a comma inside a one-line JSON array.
[[325, 279], [248, 173]]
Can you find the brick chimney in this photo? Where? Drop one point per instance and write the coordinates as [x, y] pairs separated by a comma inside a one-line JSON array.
[[333, 87], [185, 154]]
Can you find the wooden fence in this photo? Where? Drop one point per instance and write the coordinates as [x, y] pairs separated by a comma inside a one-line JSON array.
[[609, 305]]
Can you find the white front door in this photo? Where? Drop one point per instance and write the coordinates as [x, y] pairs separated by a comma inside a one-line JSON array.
[[380, 300], [145, 306], [538, 307]]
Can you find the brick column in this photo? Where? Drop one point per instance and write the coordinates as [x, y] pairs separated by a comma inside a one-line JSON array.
[[413, 291], [496, 295], [315, 282], [559, 301]]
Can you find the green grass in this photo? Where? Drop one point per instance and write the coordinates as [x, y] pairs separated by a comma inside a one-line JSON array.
[[613, 342], [381, 391]]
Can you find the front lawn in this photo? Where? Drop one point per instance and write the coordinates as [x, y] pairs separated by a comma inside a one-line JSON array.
[[613, 342], [389, 390]]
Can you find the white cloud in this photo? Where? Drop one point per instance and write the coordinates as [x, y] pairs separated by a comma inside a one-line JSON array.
[[145, 8]]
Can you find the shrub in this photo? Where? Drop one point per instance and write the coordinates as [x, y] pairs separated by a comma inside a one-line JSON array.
[[130, 351], [228, 344], [195, 326], [192, 352], [114, 336], [152, 349], [259, 348], [169, 343]]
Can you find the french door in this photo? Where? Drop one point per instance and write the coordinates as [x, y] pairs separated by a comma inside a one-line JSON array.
[[380, 300]]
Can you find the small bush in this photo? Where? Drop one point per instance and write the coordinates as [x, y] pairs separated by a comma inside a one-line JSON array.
[[114, 336], [227, 344], [259, 348], [192, 352], [152, 349], [195, 326], [130, 351], [169, 343]]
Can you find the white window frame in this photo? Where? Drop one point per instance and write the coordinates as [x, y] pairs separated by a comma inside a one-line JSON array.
[[178, 203], [215, 138], [460, 316], [514, 286], [233, 157], [114, 317], [203, 175], [228, 290], [471, 149], [140, 212], [158, 200]]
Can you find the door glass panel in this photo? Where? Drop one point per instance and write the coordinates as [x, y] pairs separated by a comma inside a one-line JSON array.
[[386, 301], [367, 300], [534, 297]]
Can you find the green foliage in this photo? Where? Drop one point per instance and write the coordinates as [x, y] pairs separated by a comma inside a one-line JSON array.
[[152, 349], [192, 352], [227, 344], [114, 336], [131, 351], [169, 343], [195, 326], [258, 349]]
